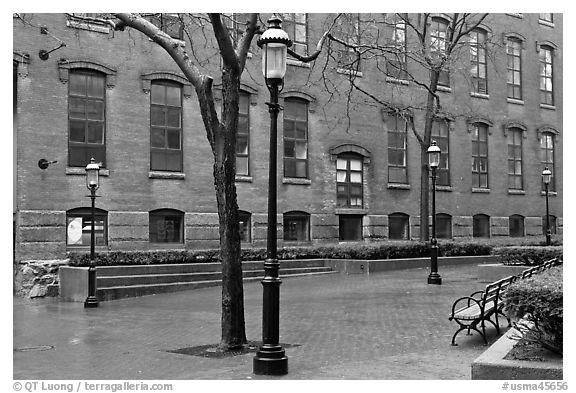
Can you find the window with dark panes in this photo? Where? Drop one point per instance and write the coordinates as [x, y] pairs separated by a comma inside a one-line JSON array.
[[170, 24], [397, 144], [481, 225], [166, 226], [514, 68], [396, 63], [86, 118], [79, 227], [243, 136], [547, 158], [478, 61], [515, 181], [349, 30], [244, 221], [166, 126], [438, 35], [349, 181], [295, 138], [553, 225], [480, 156], [398, 226], [516, 225], [440, 133], [546, 75], [350, 227], [296, 226], [296, 26], [443, 226]]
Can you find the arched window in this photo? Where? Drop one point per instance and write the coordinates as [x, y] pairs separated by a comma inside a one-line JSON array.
[[245, 224], [479, 61], [481, 225], [295, 137], [443, 226], [86, 117], [516, 225], [349, 181], [547, 140], [166, 126], [438, 42], [514, 67], [296, 226], [480, 155], [243, 136], [515, 178], [79, 227], [545, 55], [166, 226], [398, 226]]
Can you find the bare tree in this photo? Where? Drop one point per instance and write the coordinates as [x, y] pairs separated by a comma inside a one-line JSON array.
[[432, 52]]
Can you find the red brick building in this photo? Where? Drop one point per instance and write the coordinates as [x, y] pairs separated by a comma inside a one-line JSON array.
[[348, 170]]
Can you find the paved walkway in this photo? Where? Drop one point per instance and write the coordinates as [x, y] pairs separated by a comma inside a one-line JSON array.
[[384, 326]]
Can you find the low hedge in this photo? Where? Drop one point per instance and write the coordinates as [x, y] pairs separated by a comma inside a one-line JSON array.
[[527, 255], [537, 303], [388, 250]]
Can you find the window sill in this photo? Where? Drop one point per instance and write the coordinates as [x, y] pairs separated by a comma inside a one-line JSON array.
[[293, 180], [398, 186], [356, 211], [444, 188], [166, 175], [515, 101], [550, 193], [349, 72], [297, 63], [404, 82], [480, 190], [546, 23], [546, 106], [444, 89], [516, 192], [74, 170], [480, 95], [519, 16], [88, 25], [243, 179]]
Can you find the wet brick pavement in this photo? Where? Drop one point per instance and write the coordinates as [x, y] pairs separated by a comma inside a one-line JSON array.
[[384, 326]]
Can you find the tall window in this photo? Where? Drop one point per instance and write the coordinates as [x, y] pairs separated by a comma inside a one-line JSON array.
[[398, 226], [547, 157], [516, 225], [396, 66], [514, 68], [515, 181], [481, 225], [349, 189], [441, 135], [350, 227], [235, 27], [166, 226], [480, 156], [397, 143], [296, 226], [79, 227], [296, 27], [170, 24], [244, 221], [438, 35], [547, 17], [166, 126], [295, 138], [349, 29], [243, 136], [86, 118], [443, 226], [546, 75], [478, 61]]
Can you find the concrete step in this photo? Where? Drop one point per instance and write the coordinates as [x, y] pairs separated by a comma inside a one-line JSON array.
[[124, 291]]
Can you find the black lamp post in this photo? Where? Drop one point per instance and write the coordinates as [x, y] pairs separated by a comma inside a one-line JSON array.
[[270, 358], [93, 183], [546, 177], [433, 162]]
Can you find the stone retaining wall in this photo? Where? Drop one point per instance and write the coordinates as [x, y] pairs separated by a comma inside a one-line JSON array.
[[36, 278]]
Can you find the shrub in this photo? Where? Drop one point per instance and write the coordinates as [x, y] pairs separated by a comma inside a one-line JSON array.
[[528, 256], [537, 302], [370, 251]]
